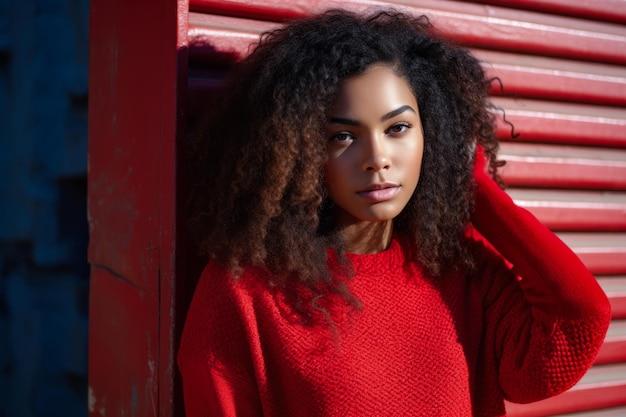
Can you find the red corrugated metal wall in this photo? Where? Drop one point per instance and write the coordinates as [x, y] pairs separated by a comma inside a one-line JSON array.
[[563, 67]]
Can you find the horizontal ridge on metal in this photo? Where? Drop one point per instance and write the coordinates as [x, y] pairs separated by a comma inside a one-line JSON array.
[[556, 122], [604, 253], [606, 10], [574, 210], [472, 24], [615, 288], [614, 348], [563, 166]]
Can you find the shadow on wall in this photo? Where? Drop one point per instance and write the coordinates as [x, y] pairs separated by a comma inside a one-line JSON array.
[[44, 275]]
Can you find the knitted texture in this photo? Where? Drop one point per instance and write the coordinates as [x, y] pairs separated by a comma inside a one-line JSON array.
[[456, 346], [524, 325]]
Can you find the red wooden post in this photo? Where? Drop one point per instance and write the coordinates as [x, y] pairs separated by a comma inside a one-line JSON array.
[[137, 83]]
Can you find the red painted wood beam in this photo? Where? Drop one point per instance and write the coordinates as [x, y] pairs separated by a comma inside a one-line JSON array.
[[135, 118], [603, 386], [472, 24], [607, 10]]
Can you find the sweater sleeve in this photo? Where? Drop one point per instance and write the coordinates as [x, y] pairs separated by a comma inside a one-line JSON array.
[[548, 336], [213, 358]]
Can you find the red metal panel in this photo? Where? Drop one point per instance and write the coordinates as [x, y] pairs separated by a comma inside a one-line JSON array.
[[609, 10], [602, 253], [577, 211], [133, 126], [555, 79], [535, 77], [542, 121], [614, 348], [213, 37], [538, 165], [605, 412], [615, 288], [603, 386], [476, 25], [537, 121]]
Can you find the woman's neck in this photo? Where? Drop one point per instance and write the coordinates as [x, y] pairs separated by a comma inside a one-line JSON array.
[[367, 237]]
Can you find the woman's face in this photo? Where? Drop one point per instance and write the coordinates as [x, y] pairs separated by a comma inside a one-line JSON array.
[[375, 147]]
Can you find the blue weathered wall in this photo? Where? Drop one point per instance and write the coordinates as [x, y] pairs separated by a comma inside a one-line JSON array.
[[43, 227]]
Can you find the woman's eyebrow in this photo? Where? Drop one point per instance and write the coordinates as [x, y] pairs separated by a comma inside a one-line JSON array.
[[396, 112], [390, 115], [344, 121]]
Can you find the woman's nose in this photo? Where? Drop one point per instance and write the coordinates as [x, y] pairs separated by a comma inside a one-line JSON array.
[[376, 155]]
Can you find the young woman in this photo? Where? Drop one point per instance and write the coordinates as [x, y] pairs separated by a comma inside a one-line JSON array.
[[364, 262]]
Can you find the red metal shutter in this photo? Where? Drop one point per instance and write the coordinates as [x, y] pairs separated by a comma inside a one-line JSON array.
[[564, 62]]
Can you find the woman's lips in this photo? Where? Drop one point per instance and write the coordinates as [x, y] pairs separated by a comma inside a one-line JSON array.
[[380, 192]]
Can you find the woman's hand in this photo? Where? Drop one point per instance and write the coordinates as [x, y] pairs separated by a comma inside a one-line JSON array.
[[481, 171], [480, 162]]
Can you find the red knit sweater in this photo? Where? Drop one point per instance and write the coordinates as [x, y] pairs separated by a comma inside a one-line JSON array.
[[455, 346]]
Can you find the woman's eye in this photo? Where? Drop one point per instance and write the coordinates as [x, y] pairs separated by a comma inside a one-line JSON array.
[[341, 137], [399, 128]]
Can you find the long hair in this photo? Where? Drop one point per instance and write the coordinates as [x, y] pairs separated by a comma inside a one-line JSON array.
[[260, 199]]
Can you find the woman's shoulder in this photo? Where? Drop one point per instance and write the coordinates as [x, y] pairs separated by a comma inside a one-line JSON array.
[[221, 301], [218, 278]]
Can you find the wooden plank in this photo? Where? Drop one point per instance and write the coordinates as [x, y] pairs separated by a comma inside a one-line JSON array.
[[134, 122], [561, 166], [614, 348], [602, 253], [552, 122], [116, 373], [603, 386], [471, 24], [607, 10], [574, 210]]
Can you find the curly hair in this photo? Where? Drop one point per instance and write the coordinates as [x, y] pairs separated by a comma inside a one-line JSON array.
[[261, 198]]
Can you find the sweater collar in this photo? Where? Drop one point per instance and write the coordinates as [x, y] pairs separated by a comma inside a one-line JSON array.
[[379, 263]]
